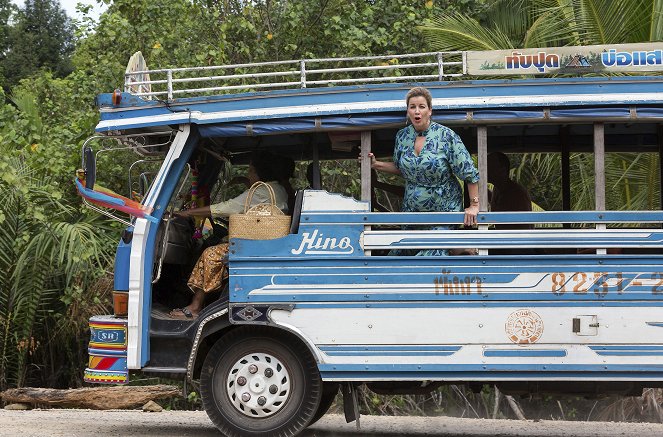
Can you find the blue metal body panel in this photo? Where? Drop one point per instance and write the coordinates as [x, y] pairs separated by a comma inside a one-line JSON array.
[[121, 269], [372, 105], [170, 181]]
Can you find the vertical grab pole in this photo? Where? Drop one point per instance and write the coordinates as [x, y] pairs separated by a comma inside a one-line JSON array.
[[365, 166], [599, 175], [366, 173], [566, 170], [170, 84], [302, 74], [317, 184], [440, 67], [482, 154], [659, 140]]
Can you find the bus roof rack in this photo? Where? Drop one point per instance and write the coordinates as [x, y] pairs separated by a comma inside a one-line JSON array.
[[414, 67]]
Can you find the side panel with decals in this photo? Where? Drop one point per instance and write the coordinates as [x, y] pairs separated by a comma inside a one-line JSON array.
[[493, 317]]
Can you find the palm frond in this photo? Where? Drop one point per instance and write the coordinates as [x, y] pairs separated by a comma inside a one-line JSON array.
[[460, 32], [549, 29], [656, 28], [612, 21]]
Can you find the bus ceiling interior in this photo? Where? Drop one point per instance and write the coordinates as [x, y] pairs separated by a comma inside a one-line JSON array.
[[514, 138]]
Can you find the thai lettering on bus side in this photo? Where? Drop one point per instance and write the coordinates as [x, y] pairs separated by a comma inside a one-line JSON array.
[[457, 285], [314, 243]]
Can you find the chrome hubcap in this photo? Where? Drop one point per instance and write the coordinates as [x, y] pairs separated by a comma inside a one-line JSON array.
[[258, 385]]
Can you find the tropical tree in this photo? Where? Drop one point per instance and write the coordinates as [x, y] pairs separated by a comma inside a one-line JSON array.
[[40, 36]]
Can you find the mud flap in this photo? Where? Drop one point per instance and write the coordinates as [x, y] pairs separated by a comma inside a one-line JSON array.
[[350, 403]]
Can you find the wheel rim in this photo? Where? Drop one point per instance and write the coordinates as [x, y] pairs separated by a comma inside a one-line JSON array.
[[258, 385]]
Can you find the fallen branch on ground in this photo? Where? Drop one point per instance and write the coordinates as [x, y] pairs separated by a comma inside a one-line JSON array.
[[96, 398]]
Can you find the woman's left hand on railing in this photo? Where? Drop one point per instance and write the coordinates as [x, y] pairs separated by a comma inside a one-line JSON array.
[[471, 213]]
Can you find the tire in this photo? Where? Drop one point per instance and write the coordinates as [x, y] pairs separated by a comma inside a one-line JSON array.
[[329, 392], [280, 391]]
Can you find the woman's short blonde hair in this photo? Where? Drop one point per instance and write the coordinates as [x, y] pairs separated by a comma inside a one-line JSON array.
[[419, 91]]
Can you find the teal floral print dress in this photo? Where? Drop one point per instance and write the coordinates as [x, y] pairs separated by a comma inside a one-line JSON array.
[[432, 178]]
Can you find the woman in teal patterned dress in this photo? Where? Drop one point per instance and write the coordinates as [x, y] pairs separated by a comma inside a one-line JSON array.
[[431, 158]]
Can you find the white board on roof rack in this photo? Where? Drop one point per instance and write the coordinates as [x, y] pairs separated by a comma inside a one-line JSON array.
[[134, 80]]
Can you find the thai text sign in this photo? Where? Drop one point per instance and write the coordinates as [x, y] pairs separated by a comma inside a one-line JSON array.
[[621, 58]]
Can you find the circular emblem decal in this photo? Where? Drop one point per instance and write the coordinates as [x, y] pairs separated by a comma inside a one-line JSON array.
[[524, 327]]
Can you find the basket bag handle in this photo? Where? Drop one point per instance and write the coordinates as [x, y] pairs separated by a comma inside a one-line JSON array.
[[252, 190]]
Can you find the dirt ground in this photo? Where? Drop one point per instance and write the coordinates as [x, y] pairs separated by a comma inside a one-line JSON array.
[[83, 423]]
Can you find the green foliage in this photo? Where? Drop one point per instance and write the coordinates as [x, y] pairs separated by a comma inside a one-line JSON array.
[[177, 33], [548, 23], [632, 180], [49, 250], [490, 403], [38, 36]]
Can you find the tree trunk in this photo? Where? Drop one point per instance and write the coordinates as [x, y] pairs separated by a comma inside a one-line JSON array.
[[96, 398]]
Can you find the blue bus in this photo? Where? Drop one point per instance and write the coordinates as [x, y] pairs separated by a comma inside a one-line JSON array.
[[574, 307]]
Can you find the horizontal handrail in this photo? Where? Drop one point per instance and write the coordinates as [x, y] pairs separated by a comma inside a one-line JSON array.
[[486, 239], [310, 72], [484, 218]]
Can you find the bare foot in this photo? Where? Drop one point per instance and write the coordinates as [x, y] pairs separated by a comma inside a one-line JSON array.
[[183, 314]]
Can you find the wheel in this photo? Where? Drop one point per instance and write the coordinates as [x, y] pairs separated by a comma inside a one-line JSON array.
[[254, 384], [329, 392]]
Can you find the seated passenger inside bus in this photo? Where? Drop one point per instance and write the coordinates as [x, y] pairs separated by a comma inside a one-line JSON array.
[[210, 271], [507, 194]]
